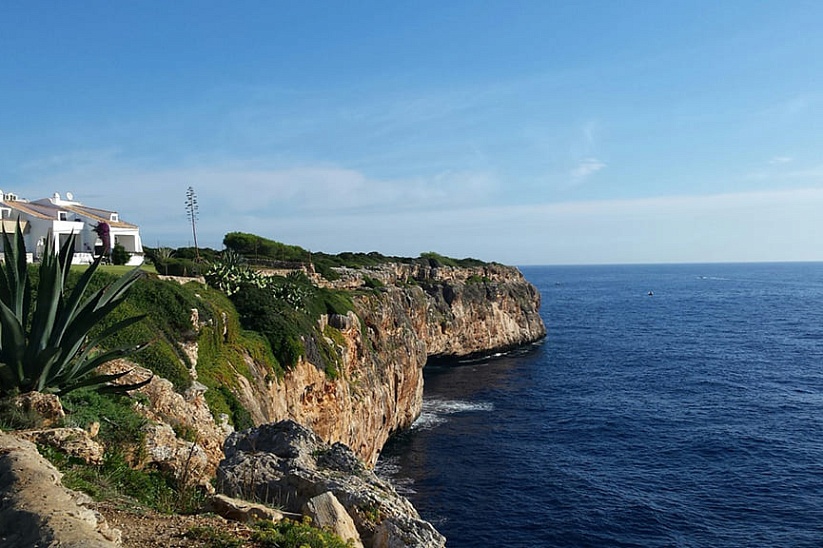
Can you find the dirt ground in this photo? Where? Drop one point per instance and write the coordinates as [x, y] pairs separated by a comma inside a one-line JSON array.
[[142, 528]]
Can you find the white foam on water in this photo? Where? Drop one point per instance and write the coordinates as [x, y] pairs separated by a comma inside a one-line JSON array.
[[436, 411]]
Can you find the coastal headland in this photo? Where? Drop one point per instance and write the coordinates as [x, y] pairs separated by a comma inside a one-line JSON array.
[[349, 370]]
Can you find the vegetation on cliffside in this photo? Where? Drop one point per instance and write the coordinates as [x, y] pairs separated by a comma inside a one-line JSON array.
[[262, 251]]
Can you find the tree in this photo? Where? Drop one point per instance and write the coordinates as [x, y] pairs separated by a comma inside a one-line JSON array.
[[45, 336]]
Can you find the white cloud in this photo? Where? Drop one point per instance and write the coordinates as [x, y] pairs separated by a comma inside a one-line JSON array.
[[332, 208], [587, 167], [756, 226], [778, 160]]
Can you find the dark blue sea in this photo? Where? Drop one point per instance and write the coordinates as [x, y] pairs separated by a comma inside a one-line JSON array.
[[692, 417]]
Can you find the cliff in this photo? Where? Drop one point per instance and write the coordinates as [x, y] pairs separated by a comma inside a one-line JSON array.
[[403, 315], [414, 313]]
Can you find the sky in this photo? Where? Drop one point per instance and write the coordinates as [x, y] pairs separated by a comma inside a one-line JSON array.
[[545, 132]]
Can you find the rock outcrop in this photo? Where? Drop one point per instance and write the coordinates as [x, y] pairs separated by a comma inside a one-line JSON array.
[[36, 510], [418, 313], [287, 465]]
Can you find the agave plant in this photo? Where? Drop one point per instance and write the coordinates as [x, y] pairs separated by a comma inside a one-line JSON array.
[[231, 272], [46, 341]]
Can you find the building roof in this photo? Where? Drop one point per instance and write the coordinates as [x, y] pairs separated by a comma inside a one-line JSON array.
[[39, 211], [46, 209], [99, 215]]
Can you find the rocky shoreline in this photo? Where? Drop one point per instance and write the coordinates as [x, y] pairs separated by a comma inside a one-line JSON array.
[[319, 436]]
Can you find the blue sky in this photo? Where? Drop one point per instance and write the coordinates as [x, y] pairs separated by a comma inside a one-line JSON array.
[[522, 132]]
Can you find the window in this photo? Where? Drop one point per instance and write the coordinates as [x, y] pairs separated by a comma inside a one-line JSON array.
[[5, 213], [114, 217], [62, 216]]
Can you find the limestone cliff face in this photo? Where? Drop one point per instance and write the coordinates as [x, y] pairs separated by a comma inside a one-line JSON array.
[[420, 312]]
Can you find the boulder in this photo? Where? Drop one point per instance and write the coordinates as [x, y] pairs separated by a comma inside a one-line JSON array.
[[241, 510], [47, 407], [327, 513], [286, 465], [35, 508], [75, 442]]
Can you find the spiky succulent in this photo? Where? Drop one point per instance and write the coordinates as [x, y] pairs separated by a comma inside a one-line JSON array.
[[46, 341]]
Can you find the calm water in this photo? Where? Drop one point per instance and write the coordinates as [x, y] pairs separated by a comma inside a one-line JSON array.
[[693, 417]]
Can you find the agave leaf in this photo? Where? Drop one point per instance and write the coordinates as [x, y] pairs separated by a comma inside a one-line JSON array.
[[80, 369], [84, 348], [116, 291], [72, 304], [45, 360], [104, 386], [49, 293], [51, 355], [12, 342], [91, 344], [15, 274], [122, 388]]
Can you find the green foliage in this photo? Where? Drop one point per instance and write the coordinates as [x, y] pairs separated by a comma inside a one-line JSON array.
[[282, 326], [285, 311], [372, 283], [119, 255], [206, 254], [220, 359], [180, 267], [13, 417], [255, 247], [120, 423], [435, 260], [116, 479], [293, 534], [231, 272], [210, 537], [259, 250], [46, 341], [168, 306]]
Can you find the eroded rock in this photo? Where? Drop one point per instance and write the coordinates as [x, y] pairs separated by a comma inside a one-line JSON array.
[[75, 442], [35, 508], [327, 513], [46, 406], [241, 510], [287, 465]]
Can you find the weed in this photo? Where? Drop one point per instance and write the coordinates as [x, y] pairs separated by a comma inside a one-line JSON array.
[[210, 537], [294, 534]]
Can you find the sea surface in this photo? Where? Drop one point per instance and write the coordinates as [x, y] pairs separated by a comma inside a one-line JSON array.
[[690, 417]]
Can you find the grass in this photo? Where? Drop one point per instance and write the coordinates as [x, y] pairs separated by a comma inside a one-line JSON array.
[[115, 269], [265, 534]]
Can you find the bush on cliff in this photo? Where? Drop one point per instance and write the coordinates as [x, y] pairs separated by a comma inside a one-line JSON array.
[[285, 311]]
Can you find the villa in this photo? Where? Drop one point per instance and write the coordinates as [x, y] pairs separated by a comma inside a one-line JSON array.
[[56, 218]]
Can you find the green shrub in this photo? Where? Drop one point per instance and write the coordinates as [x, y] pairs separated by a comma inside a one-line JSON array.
[[119, 255], [120, 423], [372, 283], [175, 266], [293, 534]]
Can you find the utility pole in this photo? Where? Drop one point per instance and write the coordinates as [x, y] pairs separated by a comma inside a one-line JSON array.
[[193, 212]]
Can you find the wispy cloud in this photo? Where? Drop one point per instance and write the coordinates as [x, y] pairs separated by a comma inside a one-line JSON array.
[[237, 197], [779, 160], [587, 167]]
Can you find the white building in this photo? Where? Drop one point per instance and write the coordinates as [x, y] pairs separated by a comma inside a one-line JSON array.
[[56, 218]]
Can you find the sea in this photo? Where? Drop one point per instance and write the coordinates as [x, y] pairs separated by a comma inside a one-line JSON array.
[[669, 405]]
